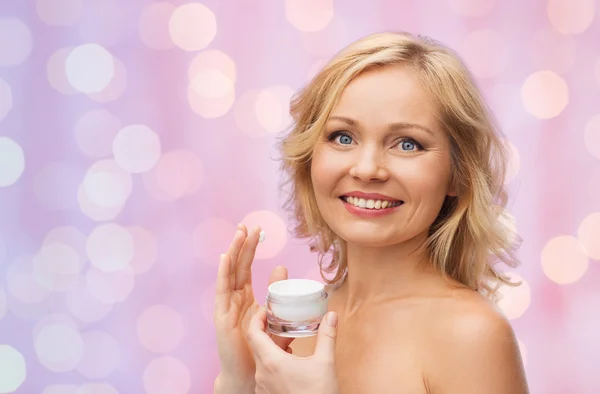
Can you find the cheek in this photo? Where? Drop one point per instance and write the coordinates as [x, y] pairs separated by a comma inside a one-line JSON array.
[[427, 179], [324, 171]]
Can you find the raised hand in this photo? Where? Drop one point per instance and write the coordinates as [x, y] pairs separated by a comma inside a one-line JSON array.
[[234, 307]]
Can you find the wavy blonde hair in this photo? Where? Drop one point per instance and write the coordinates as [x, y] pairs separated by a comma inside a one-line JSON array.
[[472, 231]]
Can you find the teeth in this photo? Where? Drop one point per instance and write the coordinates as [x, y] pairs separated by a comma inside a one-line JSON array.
[[371, 204]]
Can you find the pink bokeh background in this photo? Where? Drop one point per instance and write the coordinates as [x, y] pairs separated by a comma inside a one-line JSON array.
[[135, 135]]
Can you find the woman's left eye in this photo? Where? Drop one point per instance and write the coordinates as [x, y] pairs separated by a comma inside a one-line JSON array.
[[409, 145]]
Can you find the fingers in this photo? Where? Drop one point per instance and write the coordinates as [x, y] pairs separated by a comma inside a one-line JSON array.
[[283, 342], [234, 251], [243, 271], [261, 343], [223, 290], [326, 337], [279, 273]]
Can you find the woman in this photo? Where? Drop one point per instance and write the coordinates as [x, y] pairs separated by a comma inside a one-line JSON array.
[[397, 169]]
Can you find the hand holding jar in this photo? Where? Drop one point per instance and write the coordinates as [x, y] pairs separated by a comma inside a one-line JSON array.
[[280, 372], [234, 307]]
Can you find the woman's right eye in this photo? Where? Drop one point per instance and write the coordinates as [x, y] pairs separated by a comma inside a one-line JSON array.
[[344, 139]]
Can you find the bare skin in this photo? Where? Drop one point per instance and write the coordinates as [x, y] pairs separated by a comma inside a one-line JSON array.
[[415, 344]]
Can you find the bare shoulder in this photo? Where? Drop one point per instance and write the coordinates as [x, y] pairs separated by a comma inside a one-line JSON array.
[[473, 348]]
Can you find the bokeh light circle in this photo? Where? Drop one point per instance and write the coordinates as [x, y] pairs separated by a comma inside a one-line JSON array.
[[95, 131], [588, 234], [514, 301], [89, 68], [16, 41], [153, 25], [272, 108], [110, 288], [101, 355], [212, 59], [192, 26], [107, 185], [309, 15], [571, 17], [211, 107], [12, 164], [592, 136], [110, 247], [70, 236], [56, 72], [167, 375], [57, 267], [211, 83], [545, 94], [59, 347], [472, 8], [160, 328], [84, 306], [146, 249], [13, 369], [59, 12], [136, 148], [94, 211], [486, 52], [21, 282], [115, 87], [564, 259], [6, 99], [273, 226], [246, 115]]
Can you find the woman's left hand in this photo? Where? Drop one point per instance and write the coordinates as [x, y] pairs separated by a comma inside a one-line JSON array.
[[278, 372]]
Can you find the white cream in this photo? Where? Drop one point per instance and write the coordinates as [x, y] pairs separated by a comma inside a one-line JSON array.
[[262, 236]]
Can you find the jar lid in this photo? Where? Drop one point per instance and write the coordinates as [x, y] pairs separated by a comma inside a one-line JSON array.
[[296, 288]]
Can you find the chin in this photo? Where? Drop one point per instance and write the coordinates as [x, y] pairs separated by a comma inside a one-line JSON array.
[[365, 236]]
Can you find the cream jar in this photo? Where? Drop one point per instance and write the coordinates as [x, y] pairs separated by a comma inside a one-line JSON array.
[[295, 307]]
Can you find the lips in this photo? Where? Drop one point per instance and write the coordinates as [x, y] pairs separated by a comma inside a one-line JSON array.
[[370, 196]]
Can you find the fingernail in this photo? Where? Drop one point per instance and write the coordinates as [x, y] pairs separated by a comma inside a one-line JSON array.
[[239, 226], [332, 319]]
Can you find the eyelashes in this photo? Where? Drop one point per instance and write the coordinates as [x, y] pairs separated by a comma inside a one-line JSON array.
[[402, 142]]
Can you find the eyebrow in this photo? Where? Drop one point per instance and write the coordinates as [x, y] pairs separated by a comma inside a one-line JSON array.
[[392, 126]]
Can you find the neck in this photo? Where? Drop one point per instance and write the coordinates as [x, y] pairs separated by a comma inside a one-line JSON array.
[[378, 274]]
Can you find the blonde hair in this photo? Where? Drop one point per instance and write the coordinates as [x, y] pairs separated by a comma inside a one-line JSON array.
[[471, 233]]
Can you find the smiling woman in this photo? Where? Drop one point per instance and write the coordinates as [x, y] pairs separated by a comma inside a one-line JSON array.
[[396, 172]]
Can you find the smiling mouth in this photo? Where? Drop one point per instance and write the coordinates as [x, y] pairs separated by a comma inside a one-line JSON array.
[[375, 205]]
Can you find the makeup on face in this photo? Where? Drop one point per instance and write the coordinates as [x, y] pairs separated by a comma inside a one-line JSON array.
[[295, 307]]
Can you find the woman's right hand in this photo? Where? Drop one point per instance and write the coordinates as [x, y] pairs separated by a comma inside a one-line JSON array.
[[234, 307]]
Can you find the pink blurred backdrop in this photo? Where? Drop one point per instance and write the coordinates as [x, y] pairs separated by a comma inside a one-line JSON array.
[[135, 135]]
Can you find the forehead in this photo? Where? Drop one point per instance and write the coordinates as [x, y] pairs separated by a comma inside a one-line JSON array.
[[387, 94]]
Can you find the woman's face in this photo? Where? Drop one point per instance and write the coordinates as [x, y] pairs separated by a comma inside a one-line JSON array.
[[382, 137]]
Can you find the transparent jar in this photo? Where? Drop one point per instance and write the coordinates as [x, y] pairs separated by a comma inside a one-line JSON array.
[[295, 307]]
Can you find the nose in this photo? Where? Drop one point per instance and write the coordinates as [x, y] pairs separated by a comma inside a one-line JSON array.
[[369, 166]]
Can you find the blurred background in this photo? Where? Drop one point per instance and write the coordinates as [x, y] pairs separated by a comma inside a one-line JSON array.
[[135, 135]]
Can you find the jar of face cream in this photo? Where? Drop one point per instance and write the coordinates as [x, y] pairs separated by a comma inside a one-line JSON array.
[[295, 307]]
